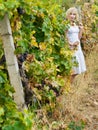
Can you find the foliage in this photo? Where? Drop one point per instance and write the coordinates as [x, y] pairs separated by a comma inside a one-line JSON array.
[[89, 16], [10, 117], [76, 125], [39, 31], [68, 3]]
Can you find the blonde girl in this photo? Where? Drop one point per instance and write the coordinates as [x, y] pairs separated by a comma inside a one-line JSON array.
[[74, 34]]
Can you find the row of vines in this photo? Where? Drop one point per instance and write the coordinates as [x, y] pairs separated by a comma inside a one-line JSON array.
[[44, 59]]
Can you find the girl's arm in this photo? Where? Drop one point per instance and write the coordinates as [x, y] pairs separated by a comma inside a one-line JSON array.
[[80, 30]]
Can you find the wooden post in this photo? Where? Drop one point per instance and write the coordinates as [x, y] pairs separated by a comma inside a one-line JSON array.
[[11, 61]]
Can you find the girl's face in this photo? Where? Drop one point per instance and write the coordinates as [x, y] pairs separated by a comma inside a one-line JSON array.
[[72, 16]]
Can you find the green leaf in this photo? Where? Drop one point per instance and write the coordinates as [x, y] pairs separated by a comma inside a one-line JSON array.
[[18, 125], [3, 77], [10, 4], [1, 120], [1, 111], [2, 7], [2, 80]]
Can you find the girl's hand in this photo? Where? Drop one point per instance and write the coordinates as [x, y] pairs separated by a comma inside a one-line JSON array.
[[71, 44], [81, 26], [76, 43]]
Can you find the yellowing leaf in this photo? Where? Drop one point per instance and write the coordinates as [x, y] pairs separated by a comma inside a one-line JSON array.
[[1, 111], [33, 42], [37, 94], [50, 59], [58, 34], [26, 66], [18, 25], [33, 32], [1, 67], [42, 45]]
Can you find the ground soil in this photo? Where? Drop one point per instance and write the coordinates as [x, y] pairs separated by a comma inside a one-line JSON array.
[[82, 100]]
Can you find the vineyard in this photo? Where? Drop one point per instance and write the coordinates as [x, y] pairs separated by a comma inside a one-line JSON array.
[[45, 63]]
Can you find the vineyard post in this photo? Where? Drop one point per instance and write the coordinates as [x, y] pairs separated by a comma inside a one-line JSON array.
[[11, 61]]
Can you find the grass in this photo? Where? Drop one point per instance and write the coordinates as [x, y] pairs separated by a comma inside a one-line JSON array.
[[79, 103]]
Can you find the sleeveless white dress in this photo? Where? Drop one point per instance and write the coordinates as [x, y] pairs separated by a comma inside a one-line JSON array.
[[72, 36]]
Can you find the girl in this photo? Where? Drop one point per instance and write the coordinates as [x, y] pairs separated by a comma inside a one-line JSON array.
[[74, 34]]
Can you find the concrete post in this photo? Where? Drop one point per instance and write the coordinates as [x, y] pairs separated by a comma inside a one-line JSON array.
[[11, 61]]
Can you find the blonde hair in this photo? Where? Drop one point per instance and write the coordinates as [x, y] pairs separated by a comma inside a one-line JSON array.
[[70, 10]]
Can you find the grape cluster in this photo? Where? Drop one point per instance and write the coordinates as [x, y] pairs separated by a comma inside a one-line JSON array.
[[27, 91], [20, 11], [2, 60]]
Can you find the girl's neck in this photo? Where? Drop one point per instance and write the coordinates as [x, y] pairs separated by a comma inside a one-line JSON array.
[[72, 23]]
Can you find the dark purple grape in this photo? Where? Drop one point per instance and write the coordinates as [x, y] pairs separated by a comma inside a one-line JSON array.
[[2, 60], [20, 10]]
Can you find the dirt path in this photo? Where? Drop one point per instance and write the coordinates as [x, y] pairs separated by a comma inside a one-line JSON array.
[[82, 102]]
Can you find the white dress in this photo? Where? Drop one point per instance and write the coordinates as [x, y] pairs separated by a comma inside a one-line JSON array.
[[72, 36]]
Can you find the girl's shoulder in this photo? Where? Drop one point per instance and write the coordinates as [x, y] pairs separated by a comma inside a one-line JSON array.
[[72, 25], [72, 28]]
